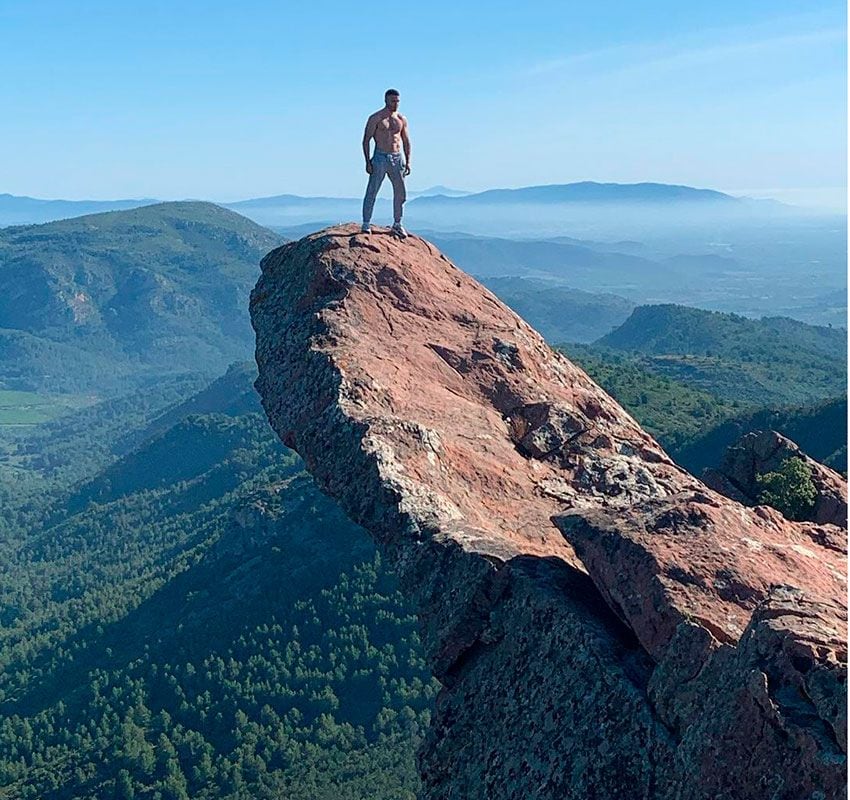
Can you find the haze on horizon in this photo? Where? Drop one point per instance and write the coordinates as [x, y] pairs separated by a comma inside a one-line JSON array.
[[225, 103]]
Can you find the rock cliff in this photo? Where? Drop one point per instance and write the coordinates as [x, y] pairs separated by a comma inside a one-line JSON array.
[[759, 452], [604, 625]]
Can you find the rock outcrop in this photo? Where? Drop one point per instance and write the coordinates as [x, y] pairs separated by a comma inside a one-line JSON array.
[[604, 625], [764, 451]]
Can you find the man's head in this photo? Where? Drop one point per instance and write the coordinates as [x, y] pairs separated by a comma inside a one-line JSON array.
[[391, 98]]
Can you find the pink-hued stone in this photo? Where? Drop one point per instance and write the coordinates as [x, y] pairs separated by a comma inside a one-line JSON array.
[[603, 623]]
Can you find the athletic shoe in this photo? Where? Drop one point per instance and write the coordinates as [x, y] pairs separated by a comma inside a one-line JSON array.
[[365, 228], [398, 230]]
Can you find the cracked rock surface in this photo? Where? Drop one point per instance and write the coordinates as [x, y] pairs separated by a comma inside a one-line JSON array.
[[604, 625]]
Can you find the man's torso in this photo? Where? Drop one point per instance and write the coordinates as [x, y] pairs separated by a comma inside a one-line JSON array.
[[388, 131]]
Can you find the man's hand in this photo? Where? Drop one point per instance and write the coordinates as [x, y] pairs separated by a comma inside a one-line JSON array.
[[405, 140], [368, 167]]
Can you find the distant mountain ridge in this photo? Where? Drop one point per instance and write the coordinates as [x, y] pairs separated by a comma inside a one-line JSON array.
[[22, 210], [286, 199], [588, 192], [439, 189]]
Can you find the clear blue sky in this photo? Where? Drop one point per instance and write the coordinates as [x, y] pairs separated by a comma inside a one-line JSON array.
[[226, 100]]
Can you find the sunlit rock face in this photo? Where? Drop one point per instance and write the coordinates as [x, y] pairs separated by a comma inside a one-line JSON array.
[[604, 625]]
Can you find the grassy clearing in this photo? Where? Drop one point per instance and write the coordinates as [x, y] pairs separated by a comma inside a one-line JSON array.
[[31, 408]]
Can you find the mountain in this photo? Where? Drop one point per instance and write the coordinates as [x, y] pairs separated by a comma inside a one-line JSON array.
[[668, 328], [774, 360], [559, 313], [15, 210], [577, 265], [283, 200], [603, 624], [22, 210], [586, 192], [199, 621], [99, 301], [194, 446], [441, 190]]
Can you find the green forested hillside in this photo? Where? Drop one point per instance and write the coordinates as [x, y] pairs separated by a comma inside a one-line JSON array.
[[673, 412], [101, 301], [34, 363], [222, 633], [664, 329], [696, 427], [821, 431], [39, 464], [232, 394], [772, 361], [559, 313]]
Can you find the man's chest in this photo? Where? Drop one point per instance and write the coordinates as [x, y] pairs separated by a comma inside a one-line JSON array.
[[389, 125]]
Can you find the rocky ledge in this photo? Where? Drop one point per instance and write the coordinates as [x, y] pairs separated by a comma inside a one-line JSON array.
[[604, 625], [759, 452]]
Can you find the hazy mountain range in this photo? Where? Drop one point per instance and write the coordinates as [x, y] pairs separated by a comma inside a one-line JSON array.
[[701, 247], [435, 190], [15, 210], [106, 302], [589, 192], [21, 210]]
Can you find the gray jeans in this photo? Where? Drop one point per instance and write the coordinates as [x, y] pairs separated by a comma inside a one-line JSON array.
[[383, 164]]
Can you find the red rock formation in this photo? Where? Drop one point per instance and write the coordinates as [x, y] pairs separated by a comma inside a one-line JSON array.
[[604, 624], [759, 452]]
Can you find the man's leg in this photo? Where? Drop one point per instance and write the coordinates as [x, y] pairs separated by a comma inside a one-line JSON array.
[[396, 172], [379, 170]]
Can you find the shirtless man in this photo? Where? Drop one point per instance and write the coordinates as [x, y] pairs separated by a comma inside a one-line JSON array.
[[389, 130]]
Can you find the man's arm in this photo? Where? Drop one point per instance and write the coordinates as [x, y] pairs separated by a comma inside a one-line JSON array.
[[405, 141], [371, 125]]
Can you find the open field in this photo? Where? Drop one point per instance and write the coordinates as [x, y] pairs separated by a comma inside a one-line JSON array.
[[31, 408]]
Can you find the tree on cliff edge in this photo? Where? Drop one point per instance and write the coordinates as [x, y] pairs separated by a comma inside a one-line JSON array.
[[789, 489]]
